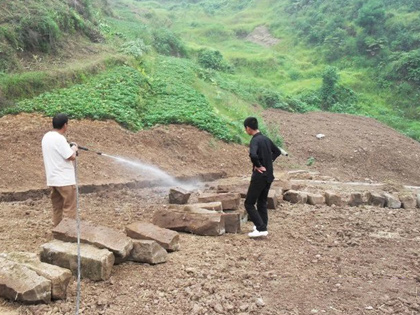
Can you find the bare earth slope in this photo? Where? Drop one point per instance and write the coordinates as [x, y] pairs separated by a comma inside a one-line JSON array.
[[354, 148], [178, 150]]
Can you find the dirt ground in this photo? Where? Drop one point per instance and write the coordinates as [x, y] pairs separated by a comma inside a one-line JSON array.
[[354, 148], [316, 260]]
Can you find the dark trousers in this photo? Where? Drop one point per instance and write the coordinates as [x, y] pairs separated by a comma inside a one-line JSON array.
[[257, 193]]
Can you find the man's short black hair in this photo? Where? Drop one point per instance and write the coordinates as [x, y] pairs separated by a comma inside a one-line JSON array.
[[59, 121], [251, 122]]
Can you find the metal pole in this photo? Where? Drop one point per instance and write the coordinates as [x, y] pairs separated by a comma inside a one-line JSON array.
[[78, 241]]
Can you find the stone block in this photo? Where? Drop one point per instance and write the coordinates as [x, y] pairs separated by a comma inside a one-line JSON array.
[[96, 264], [100, 236], [315, 199], [272, 199], [356, 199], [59, 277], [392, 201], [21, 284], [168, 239], [240, 188], [282, 181], [230, 201], [148, 251], [232, 221], [215, 206], [332, 198], [408, 201], [376, 199], [294, 196], [179, 196], [200, 222]]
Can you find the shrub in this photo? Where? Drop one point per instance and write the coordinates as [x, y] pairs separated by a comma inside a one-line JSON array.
[[136, 48], [167, 43], [213, 59], [330, 78]]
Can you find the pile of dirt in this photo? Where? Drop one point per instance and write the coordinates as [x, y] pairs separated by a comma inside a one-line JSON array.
[[354, 148]]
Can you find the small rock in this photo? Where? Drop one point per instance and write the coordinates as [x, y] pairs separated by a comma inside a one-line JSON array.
[[243, 307], [260, 302]]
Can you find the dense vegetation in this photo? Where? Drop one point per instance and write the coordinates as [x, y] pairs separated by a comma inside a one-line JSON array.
[[191, 62]]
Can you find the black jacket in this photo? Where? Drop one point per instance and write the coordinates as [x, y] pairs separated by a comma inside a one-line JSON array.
[[263, 152]]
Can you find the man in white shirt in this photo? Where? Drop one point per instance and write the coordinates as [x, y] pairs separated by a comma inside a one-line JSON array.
[[58, 157]]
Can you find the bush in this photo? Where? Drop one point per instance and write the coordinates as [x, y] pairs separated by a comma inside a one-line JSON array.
[[330, 78], [213, 59], [406, 67], [167, 43], [136, 48], [39, 33]]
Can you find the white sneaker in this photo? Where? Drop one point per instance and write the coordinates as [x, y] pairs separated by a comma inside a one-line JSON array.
[[257, 233], [254, 228]]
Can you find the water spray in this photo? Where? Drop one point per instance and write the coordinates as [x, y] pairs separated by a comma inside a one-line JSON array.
[[149, 170]]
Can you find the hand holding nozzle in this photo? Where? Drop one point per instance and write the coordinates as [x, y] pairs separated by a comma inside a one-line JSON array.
[[74, 147]]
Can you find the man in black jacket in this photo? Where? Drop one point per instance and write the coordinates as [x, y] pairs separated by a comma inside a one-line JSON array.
[[262, 152]]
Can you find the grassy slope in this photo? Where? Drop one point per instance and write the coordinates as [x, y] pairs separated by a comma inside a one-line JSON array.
[[214, 101], [290, 67]]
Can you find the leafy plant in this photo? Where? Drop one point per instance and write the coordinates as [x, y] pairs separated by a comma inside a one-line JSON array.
[[167, 43], [136, 48], [213, 59], [112, 95]]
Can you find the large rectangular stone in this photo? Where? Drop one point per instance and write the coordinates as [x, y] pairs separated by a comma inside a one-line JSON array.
[[215, 206], [240, 188], [230, 201], [315, 199], [232, 222], [21, 284], [168, 239], [356, 199], [294, 196], [392, 201], [59, 277], [179, 195], [408, 201], [332, 198], [96, 264], [199, 221], [272, 199], [147, 251], [100, 236], [376, 199]]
